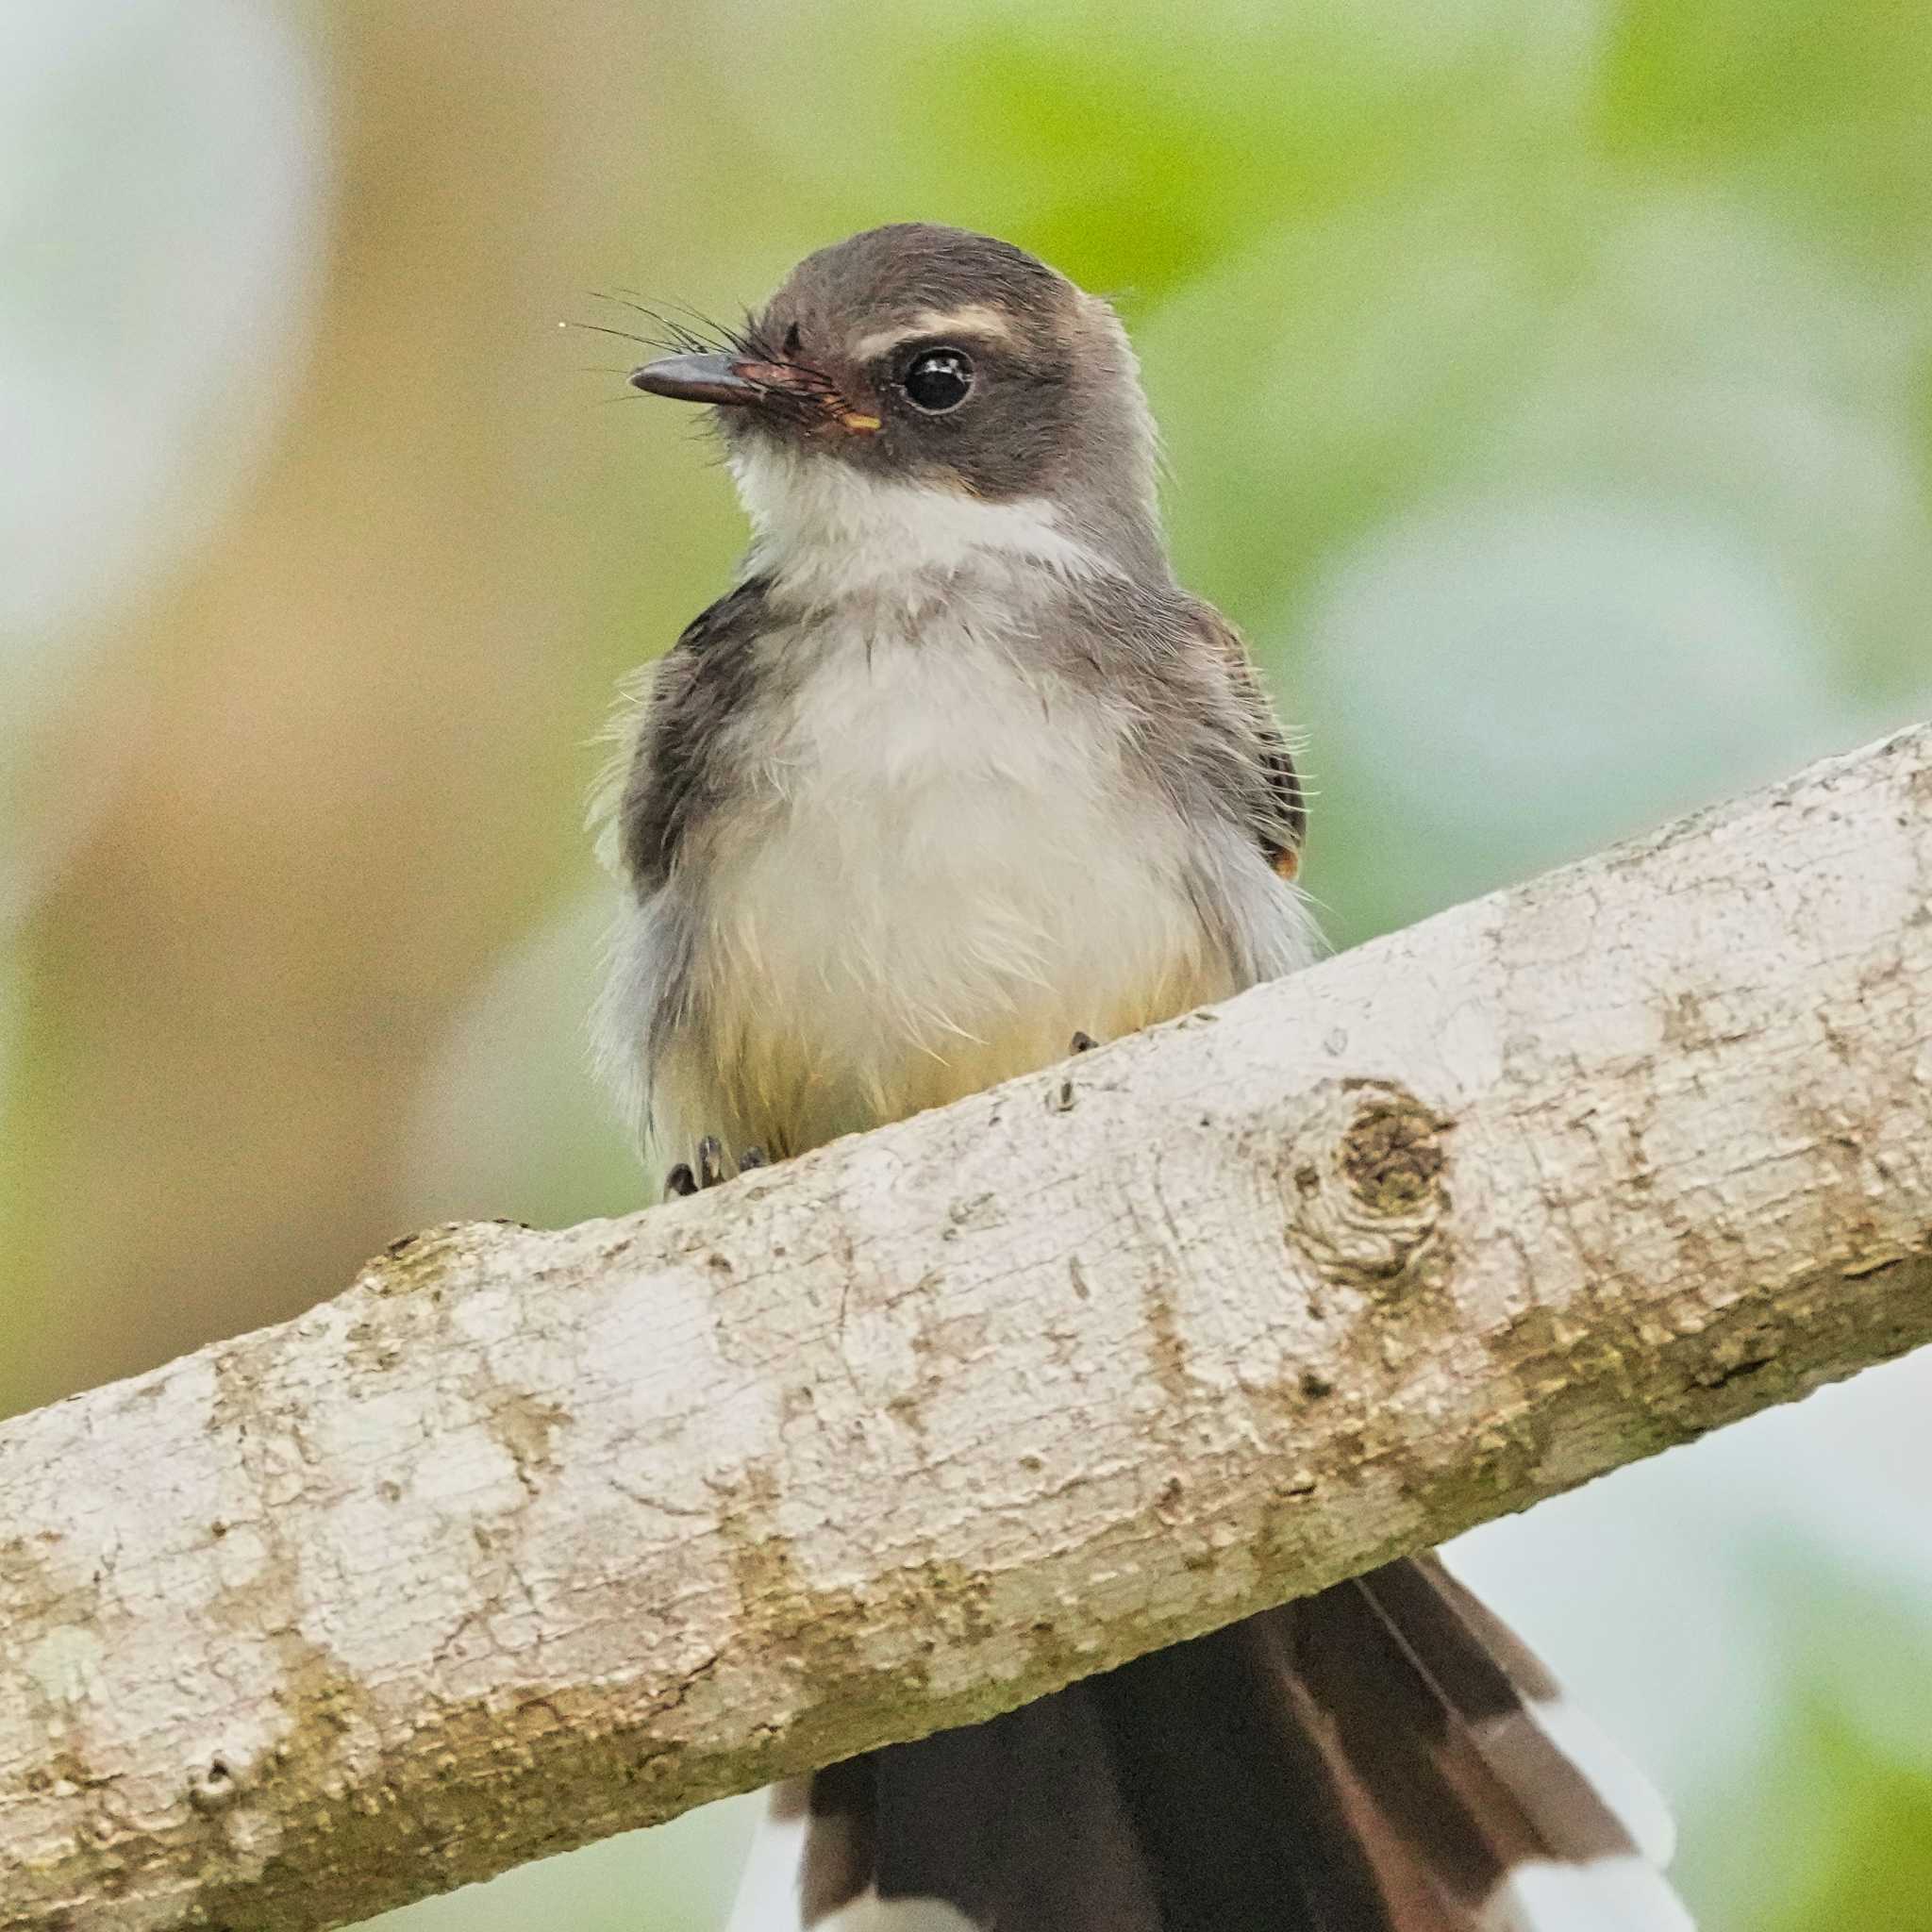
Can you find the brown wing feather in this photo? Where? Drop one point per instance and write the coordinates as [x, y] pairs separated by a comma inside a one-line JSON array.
[[673, 774], [1277, 808]]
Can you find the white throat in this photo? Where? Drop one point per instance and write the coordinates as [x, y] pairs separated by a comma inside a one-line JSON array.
[[824, 529]]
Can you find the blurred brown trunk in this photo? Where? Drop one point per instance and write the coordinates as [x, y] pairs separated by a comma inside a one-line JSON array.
[[360, 775]]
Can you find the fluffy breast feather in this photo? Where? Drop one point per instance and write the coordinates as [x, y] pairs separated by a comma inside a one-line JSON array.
[[934, 789], [943, 866]]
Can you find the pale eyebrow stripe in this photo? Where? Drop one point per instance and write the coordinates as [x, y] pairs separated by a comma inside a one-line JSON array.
[[976, 319]]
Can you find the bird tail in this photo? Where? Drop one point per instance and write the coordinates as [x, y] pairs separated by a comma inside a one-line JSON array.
[[1384, 1756]]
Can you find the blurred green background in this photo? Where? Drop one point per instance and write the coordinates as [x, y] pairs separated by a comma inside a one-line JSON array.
[[1547, 386]]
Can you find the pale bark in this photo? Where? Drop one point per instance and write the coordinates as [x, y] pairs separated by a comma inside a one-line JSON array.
[[528, 1538]]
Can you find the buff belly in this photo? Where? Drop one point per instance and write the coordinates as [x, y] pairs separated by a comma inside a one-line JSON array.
[[942, 872]]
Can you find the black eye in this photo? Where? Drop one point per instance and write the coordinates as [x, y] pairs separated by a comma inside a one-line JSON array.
[[937, 380]]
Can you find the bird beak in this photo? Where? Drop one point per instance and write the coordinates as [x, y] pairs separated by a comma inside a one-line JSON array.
[[736, 382], [706, 378]]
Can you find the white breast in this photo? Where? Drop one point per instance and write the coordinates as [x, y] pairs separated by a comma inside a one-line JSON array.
[[942, 861], [950, 868]]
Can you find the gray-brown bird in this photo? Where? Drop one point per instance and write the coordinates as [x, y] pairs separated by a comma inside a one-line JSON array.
[[957, 776]]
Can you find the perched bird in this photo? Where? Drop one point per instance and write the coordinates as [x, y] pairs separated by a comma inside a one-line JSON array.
[[955, 779]]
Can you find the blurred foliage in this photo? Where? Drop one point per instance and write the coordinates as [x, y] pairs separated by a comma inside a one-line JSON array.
[[1869, 1838], [1840, 1832], [1547, 386]]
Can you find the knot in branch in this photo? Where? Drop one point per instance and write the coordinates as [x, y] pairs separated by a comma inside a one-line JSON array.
[[1367, 1191]]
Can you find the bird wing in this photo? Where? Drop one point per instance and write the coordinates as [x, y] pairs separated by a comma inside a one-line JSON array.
[[668, 729], [1275, 805]]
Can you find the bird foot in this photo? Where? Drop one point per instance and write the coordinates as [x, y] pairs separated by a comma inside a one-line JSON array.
[[708, 1171]]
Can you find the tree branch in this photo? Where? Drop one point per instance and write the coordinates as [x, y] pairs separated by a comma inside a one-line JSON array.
[[530, 1538]]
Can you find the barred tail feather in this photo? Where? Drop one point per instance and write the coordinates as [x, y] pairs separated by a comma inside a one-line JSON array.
[[1571, 1733], [1384, 1756], [1580, 1833]]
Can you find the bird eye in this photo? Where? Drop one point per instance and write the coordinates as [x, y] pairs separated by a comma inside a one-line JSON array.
[[937, 380]]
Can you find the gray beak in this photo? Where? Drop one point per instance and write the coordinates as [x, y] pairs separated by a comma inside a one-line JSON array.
[[706, 378]]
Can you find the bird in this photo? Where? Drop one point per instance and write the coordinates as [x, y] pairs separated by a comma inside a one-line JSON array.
[[953, 781]]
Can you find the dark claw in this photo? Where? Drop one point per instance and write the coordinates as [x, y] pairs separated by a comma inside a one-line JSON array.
[[1083, 1042], [711, 1161], [688, 1177]]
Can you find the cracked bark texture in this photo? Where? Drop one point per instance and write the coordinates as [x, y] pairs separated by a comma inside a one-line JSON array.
[[528, 1538]]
